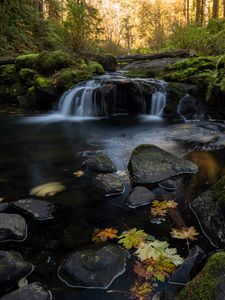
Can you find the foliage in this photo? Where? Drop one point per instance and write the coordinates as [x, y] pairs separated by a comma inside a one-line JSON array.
[[132, 238], [184, 233], [141, 290], [79, 173], [102, 235], [160, 208], [48, 189]]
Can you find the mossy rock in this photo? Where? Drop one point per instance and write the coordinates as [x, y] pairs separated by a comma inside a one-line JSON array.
[[209, 283], [218, 190], [44, 84], [108, 62], [96, 68], [49, 62], [140, 73], [27, 61], [27, 76], [8, 74]]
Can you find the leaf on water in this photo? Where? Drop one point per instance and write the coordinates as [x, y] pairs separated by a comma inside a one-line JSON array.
[[160, 208], [1, 199], [48, 189], [102, 235], [184, 233], [22, 282], [141, 290], [79, 173], [158, 249], [132, 238], [121, 173]]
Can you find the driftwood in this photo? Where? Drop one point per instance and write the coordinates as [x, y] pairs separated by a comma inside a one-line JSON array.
[[181, 53], [176, 217], [7, 60]]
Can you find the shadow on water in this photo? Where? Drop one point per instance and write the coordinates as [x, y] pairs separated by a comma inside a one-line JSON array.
[[36, 152]]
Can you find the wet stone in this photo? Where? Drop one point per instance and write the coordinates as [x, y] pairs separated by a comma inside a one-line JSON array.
[[169, 184], [140, 196], [3, 206], [12, 269], [38, 209], [32, 291], [13, 227], [99, 163], [93, 268], [108, 185], [151, 164]]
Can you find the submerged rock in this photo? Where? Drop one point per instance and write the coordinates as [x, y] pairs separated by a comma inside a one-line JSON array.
[[100, 163], [93, 268], [209, 283], [150, 164], [38, 209], [108, 185], [140, 196], [32, 291], [12, 227], [12, 269], [168, 184]]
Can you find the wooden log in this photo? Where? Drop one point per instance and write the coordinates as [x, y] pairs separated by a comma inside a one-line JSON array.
[[176, 218], [151, 56], [7, 60]]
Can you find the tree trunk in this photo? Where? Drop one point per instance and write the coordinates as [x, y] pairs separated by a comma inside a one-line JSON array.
[[188, 11], [215, 11], [224, 8], [181, 53]]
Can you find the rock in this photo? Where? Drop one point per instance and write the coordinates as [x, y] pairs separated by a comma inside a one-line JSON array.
[[93, 268], [12, 228], [108, 62], [190, 108], [100, 163], [72, 237], [108, 185], [183, 273], [168, 184], [32, 291], [150, 164], [4, 206], [209, 284], [12, 269], [209, 208], [38, 209], [140, 196]]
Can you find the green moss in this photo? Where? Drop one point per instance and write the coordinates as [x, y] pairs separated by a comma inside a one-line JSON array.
[[43, 83], [49, 62], [218, 190], [8, 74], [96, 68], [205, 285], [27, 61], [27, 76]]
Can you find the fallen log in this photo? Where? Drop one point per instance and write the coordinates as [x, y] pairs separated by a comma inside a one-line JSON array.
[[180, 53], [7, 60]]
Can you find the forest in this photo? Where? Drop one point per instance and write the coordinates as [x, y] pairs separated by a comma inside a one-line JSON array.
[[112, 149]]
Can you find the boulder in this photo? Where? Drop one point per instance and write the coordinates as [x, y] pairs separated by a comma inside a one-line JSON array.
[[150, 164], [190, 108], [108, 62], [32, 291], [38, 209], [168, 184], [140, 196], [93, 268], [12, 269], [209, 284], [12, 228], [107, 185], [99, 163]]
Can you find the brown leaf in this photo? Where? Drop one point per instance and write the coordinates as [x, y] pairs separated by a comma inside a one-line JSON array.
[[184, 233]]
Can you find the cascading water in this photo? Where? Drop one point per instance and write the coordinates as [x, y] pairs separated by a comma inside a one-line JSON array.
[[109, 95]]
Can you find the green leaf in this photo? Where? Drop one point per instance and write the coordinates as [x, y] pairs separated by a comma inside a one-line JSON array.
[[132, 239]]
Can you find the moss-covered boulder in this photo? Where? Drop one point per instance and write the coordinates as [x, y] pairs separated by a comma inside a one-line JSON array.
[[96, 68], [51, 61], [27, 76], [8, 74], [44, 93], [209, 283], [108, 62], [27, 61]]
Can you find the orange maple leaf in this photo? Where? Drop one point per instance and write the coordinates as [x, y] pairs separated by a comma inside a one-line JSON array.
[[107, 233], [184, 233]]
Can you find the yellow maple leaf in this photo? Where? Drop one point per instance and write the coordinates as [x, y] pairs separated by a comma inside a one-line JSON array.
[[79, 173], [102, 235], [160, 208], [184, 233], [48, 189]]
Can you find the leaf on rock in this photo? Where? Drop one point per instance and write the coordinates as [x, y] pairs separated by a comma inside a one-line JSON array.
[[184, 233], [48, 189], [79, 173], [160, 208], [132, 238], [141, 290], [100, 235]]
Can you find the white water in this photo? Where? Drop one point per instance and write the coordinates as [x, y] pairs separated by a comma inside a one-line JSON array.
[[158, 103]]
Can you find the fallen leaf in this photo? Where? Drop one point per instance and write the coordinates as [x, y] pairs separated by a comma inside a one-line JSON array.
[[132, 238], [79, 173], [107, 233], [141, 290], [184, 233], [48, 189], [1, 199], [160, 208]]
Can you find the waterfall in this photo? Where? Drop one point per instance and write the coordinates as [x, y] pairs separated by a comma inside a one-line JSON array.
[[110, 95], [158, 103]]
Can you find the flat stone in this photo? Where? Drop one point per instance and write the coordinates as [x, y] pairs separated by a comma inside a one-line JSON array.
[[13, 227], [12, 268], [93, 268], [150, 164], [140, 196], [32, 291], [168, 184], [38, 209], [100, 163], [108, 185], [4, 206]]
